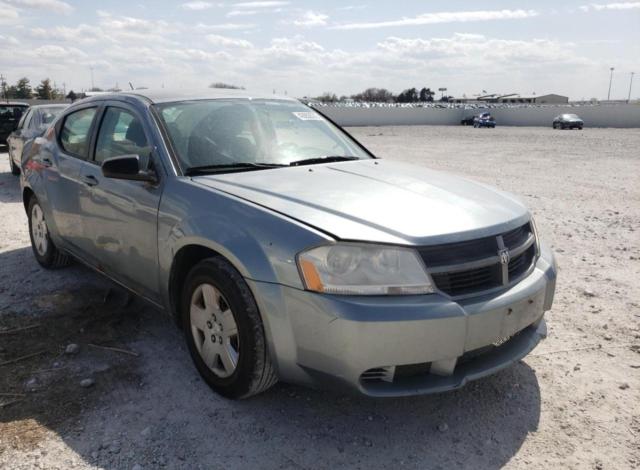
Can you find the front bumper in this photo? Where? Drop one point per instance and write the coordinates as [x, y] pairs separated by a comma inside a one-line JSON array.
[[395, 346]]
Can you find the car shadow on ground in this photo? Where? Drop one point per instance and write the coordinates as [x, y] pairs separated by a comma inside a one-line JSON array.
[[148, 406]]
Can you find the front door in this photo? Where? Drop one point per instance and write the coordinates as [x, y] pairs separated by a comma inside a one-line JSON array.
[[120, 216]]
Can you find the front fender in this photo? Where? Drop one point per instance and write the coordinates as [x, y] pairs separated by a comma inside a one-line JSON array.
[[260, 243]]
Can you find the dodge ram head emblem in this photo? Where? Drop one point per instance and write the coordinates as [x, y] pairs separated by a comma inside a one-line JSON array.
[[504, 255]]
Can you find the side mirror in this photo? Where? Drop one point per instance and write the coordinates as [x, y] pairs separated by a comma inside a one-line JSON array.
[[126, 167]]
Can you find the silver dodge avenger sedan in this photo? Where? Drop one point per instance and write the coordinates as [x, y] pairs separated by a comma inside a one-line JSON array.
[[284, 248]]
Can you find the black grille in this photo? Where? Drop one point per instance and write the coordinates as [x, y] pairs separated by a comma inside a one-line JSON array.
[[467, 282], [516, 237], [445, 262], [459, 252], [520, 264]]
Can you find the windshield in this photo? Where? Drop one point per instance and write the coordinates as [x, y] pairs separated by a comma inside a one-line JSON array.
[[261, 132], [570, 116]]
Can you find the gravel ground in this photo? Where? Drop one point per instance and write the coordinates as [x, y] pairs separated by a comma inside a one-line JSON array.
[[573, 403]]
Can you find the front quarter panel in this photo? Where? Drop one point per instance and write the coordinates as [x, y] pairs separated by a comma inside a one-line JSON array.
[[260, 243]]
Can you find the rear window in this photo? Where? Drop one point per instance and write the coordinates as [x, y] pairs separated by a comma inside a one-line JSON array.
[[12, 111]]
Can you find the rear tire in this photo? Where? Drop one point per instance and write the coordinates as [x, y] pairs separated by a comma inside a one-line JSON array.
[[46, 253], [224, 331], [15, 170]]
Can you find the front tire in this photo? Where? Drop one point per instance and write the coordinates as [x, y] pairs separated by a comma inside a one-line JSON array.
[[46, 253], [224, 331]]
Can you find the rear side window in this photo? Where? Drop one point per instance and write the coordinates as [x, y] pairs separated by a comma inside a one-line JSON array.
[[75, 133], [121, 133], [24, 121]]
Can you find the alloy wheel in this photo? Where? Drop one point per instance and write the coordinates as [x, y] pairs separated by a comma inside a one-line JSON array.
[[39, 230], [214, 330]]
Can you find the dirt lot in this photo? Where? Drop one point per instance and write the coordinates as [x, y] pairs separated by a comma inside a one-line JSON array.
[[573, 403]]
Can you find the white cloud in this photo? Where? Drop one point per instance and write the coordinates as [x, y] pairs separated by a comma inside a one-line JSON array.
[[197, 5], [57, 6], [266, 4], [474, 50], [201, 27], [444, 17], [9, 40], [8, 14], [224, 41], [242, 13], [352, 7], [311, 18], [83, 33], [55, 52], [610, 6]]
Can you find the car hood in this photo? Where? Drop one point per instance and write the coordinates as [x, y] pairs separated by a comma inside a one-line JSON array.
[[378, 200]]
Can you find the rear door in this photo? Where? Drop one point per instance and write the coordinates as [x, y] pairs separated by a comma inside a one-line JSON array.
[[62, 176], [121, 216]]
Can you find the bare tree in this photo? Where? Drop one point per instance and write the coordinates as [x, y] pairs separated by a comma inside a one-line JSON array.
[[225, 85]]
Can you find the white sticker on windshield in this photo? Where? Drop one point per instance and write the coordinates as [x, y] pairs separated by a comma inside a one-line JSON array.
[[307, 116]]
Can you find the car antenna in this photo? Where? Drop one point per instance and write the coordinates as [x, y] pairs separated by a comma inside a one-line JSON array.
[[131, 86]]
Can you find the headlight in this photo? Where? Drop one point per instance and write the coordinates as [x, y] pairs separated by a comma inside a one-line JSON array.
[[361, 269]]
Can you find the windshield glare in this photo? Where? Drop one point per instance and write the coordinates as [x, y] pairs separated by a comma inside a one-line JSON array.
[[224, 132]]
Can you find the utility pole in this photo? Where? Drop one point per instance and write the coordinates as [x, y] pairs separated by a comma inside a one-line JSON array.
[[630, 85], [3, 85], [610, 80]]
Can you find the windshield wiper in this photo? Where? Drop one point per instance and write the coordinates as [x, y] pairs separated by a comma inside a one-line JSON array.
[[228, 167], [327, 159]]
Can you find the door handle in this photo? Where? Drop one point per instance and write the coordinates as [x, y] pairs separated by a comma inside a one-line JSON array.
[[89, 180]]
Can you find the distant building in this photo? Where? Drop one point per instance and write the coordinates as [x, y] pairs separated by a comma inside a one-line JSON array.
[[514, 98]]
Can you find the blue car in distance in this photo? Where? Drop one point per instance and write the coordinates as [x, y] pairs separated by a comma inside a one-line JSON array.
[[484, 120]]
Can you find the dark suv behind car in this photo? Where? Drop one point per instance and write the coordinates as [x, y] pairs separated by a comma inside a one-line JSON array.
[[10, 114]]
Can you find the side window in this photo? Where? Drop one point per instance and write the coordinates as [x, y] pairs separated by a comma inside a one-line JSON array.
[[121, 133], [75, 133], [32, 121], [24, 121]]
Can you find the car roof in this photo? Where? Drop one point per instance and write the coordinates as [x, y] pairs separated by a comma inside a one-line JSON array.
[[167, 95], [49, 106], [13, 103]]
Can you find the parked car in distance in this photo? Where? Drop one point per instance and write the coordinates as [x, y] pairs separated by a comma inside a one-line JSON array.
[[284, 248], [568, 121], [32, 124], [484, 120], [468, 120], [10, 114]]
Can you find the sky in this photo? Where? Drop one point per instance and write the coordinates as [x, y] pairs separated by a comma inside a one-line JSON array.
[[305, 48]]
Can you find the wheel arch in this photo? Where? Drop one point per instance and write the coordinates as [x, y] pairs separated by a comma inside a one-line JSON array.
[[183, 261], [27, 194]]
